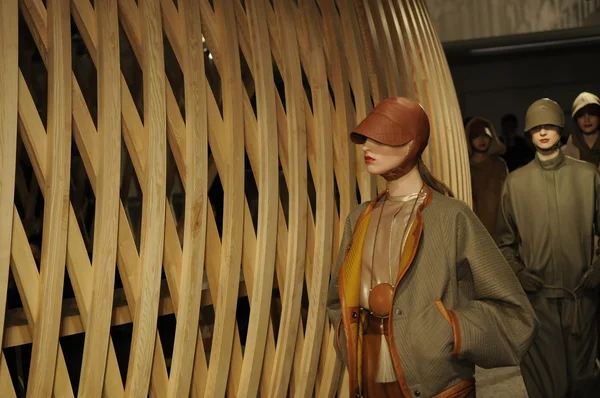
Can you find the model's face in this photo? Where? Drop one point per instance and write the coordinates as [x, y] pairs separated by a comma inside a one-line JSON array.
[[381, 158], [544, 137], [481, 143], [588, 119]]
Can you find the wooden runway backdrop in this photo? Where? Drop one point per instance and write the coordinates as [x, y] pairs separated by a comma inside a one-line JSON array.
[[174, 175]]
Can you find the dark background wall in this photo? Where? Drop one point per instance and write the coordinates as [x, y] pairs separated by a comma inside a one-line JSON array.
[[508, 79]]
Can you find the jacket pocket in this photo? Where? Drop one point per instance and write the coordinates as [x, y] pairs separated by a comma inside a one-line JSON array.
[[432, 340]]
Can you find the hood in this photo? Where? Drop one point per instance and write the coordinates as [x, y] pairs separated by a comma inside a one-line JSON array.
[[584, 99], [496, 146]]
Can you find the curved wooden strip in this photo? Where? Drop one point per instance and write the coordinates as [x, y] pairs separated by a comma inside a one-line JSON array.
[[78, 264], [344, 168], [8, 152], [295, 153], [437, 93], [324, 217], [9, 86], [195, 203], [54, 238], [5, 381], [233, 186], [267, 206], [458, 145], [344, 165], [371, 47], [153, 207], [359, 81], [381, 29], [107, 201], [27, 279]]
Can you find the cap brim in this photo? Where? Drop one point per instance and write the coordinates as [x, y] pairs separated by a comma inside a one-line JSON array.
[[379, 128]]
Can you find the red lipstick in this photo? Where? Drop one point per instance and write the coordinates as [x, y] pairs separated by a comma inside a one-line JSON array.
[[369, 159], [544, 140]]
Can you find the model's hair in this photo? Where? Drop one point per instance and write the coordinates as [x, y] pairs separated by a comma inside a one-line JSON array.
[[433, 182]]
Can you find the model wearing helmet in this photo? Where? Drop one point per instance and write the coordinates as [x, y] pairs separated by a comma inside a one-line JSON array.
[[546, 228], [488, 170], [583, 143], [420, 293]]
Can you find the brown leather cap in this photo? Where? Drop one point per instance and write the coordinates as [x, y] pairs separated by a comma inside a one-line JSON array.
[[395, 121]]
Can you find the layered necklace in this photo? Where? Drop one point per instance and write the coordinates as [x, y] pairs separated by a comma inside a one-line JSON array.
[[381, 295]]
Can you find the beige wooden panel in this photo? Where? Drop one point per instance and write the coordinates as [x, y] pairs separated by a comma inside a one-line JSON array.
[[359, 81], [293, 159], [267, 183], [323, 178], [186, 335], [153, 207], [54, 238], [234, 196], [107, 201]]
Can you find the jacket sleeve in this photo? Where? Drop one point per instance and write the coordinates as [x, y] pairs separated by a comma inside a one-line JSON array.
[[596, 261], [507, 235], [495, 325], [334, 310]]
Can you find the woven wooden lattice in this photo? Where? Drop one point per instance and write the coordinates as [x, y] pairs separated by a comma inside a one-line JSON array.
[[168, 107]]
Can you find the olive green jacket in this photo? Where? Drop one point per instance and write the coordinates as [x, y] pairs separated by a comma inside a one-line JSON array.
[[458, 304], [548, 218]]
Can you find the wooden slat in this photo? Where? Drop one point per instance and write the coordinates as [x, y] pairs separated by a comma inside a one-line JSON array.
[[344, 167], [107, 201], [8, 140], [17, 327], [78, 264], [153, 208], [359, 80], [381, 34], [295, 153], [196, 199], [132, 128], [323, 178], [85, 137], [8, 156], [27, 279], [233, 186], [267, 206], [54, 238], [370, 43], [8, 389]]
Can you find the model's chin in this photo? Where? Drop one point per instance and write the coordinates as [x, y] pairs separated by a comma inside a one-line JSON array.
[[376, 169], [373, 169], [545, 146]]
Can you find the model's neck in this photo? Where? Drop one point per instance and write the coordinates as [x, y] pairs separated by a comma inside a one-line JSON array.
[[547, 155], [479, 157], [409, 183], [590, 139]]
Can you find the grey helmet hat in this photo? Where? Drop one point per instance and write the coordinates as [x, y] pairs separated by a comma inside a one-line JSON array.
[[544, 111]]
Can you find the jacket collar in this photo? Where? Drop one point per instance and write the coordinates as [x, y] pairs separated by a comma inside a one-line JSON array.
[[551, 164]]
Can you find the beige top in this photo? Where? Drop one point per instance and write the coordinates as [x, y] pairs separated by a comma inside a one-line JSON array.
[[398, 215]]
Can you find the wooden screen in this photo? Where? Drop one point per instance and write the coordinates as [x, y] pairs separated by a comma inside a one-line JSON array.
[[174, 175]]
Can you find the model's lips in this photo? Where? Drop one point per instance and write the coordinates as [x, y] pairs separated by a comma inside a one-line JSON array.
[[544, 140], [369, 159], [588, 126]]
